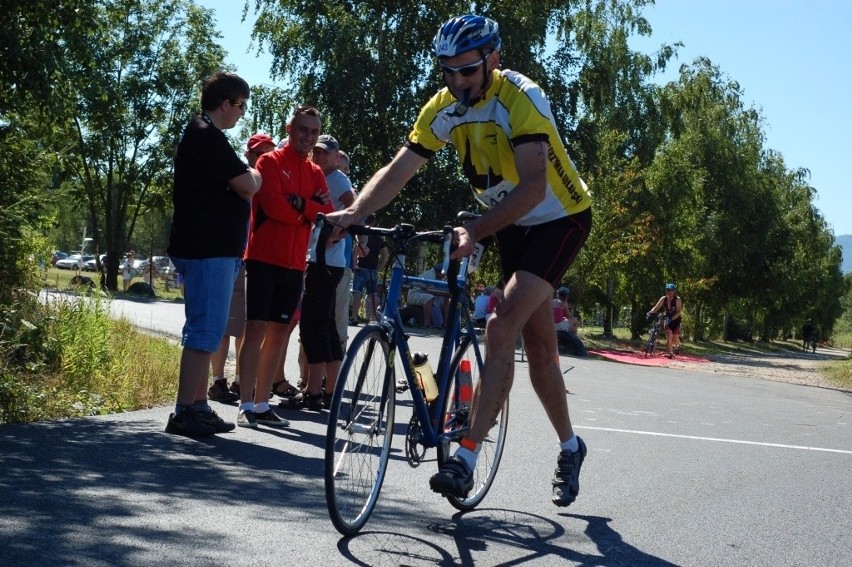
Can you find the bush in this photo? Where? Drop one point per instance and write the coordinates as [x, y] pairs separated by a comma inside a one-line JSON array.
[[70, 358]]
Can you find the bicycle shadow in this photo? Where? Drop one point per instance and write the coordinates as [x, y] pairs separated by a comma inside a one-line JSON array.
[[515, 537]]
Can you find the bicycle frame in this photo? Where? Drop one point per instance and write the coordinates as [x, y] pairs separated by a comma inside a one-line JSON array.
[[459, 322], [362, 412], [654, 333]]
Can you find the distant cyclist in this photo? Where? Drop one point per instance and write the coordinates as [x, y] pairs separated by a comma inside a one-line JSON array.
[[673, 305], [502, 127]]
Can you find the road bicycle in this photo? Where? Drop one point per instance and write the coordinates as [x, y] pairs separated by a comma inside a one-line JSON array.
[[362, 410], [654, 334]]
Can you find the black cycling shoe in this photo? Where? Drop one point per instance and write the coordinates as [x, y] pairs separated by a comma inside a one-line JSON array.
[[566, 479], [454, 478]]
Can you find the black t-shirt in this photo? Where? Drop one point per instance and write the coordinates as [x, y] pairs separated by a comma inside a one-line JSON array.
[[210, 220], [371, 260]]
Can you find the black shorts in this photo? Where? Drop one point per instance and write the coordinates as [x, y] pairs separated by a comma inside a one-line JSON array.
[[673, 325], [317, 325], [546, 250], [272, 292]]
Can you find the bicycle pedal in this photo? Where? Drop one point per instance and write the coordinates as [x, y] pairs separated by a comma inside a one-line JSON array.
[[401, 386]]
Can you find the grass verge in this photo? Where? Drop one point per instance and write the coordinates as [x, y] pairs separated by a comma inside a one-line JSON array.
[[70, 358]]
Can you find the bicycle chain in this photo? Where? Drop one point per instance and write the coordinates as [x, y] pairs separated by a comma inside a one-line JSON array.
[[414, 451]]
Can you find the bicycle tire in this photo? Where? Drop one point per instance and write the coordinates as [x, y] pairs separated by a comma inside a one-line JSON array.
[[491, 451], [652, 341], [360, 430]]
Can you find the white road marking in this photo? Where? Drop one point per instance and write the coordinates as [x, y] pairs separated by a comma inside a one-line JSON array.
[[699, 438]]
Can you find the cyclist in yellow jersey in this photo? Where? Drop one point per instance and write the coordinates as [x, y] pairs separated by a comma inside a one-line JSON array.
[[539, 209]]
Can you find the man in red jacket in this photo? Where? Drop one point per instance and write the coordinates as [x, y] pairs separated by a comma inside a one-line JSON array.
[[294, 191]]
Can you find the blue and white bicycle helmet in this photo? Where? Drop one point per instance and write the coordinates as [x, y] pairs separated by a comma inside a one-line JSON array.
[[562, 293], [466, 33], [670, 286]]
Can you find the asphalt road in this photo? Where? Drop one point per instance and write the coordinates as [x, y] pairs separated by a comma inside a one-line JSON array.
[[684, 468]]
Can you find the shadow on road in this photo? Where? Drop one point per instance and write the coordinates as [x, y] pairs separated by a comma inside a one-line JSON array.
[[97, 488], [521, 538]]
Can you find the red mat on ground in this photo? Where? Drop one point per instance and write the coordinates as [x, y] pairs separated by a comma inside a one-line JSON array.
[[633, 357]]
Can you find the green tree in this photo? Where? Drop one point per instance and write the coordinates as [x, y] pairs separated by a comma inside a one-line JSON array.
[[34, 41], [133, 91]]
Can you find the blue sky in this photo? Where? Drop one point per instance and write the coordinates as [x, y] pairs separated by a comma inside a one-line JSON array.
[[792, 58]]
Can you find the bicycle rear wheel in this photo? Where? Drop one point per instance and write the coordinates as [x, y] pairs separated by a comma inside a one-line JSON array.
[[456, 417], [360, 430]]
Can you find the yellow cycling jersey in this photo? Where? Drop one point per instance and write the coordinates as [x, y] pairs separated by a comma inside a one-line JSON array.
[[513, 111]]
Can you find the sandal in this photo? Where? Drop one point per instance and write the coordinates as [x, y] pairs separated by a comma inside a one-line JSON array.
[[288, 392], [304, 400]]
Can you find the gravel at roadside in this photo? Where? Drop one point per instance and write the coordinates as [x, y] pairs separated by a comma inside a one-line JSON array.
[[791, 367]]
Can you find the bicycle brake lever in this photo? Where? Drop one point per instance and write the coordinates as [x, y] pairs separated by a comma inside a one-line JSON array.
[[448, 242]]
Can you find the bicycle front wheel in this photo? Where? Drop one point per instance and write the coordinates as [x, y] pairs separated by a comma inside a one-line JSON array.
[[360, 430], [456, 417], [652, 342]]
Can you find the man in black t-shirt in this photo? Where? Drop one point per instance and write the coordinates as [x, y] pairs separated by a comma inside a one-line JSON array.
[[372, 255], [212, 193]]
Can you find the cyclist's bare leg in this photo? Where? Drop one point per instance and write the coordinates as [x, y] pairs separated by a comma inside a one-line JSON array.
[[668, 341], [545, 375], [522, 296]]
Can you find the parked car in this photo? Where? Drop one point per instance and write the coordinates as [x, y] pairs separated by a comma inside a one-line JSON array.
[[92, 266], [74, 262], [162, 264], [58, 255]]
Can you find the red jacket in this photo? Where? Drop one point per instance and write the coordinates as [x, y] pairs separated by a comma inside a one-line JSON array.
[[278, 233]]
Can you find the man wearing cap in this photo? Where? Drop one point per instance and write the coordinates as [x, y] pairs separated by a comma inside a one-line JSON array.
[[257, 145], [318, 323], [330, 158], [294, 191]]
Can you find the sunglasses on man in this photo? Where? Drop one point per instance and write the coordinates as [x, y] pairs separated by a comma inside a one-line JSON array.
[[468, 70]]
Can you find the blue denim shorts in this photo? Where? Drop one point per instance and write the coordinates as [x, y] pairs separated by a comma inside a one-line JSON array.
[[208, 286], [365, 279]]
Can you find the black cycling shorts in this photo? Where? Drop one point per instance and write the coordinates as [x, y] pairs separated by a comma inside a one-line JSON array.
[[546, 250], [673, 325]]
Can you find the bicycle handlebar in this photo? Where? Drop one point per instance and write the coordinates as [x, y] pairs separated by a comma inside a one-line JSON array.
[[401, 233]]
